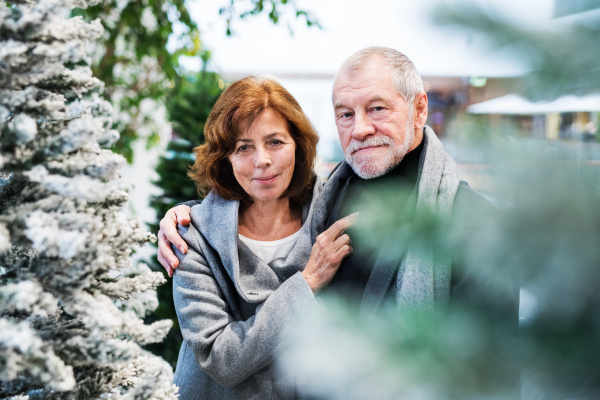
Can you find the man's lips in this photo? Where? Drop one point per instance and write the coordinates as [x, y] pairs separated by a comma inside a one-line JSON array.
[[267, 179], [365, 149]]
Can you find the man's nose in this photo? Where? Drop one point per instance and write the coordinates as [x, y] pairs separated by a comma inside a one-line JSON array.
[[262, 158], [363, 127]]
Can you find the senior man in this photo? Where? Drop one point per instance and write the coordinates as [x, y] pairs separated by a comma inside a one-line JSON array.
[[395, 165]]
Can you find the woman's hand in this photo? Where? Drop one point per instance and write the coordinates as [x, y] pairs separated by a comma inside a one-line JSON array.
[[326, 256], [168, 235]]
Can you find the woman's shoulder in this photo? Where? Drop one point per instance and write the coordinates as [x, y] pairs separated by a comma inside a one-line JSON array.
[[192, 236], [214, 223]]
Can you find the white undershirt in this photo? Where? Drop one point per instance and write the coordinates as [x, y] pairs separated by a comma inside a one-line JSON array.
[[268, 251]]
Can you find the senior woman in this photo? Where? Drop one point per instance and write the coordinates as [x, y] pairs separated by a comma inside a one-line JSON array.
[[250, 272]]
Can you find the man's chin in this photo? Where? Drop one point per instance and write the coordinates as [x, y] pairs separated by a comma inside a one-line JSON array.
[[370, 167]]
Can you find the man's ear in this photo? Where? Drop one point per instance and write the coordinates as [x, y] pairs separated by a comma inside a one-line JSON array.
[[420, 110]]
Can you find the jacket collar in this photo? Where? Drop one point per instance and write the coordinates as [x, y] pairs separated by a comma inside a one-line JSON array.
[[326, 201]]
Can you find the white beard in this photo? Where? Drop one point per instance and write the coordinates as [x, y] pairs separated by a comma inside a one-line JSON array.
[[370, 166]]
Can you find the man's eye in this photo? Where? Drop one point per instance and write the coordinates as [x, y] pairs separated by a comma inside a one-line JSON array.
[[346, 115], [378, 108]]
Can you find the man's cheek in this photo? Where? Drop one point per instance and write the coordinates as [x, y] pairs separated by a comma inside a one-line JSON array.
[[345, 136]]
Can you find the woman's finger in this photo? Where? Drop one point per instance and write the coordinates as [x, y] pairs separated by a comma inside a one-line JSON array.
[[341, 241], [340, 226], [344, 252], [165, 264], [182, 214], [165, 251]]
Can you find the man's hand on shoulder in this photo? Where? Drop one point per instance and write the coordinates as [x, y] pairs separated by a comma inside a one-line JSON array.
[[168, 235]]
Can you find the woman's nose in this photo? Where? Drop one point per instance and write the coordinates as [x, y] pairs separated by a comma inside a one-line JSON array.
[[263, 158]]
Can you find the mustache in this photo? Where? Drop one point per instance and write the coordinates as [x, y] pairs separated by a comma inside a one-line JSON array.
[[356, 145]]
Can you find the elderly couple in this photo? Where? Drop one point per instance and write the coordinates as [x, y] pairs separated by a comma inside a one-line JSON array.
[[268, 236]]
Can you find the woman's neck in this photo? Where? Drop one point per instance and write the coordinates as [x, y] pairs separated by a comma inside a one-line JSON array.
[[272, 220]]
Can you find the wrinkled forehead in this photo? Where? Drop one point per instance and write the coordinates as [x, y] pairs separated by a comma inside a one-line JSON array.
[[370, 81], [373, 73]]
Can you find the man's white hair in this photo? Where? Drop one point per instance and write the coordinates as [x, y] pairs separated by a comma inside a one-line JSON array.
[[405, 77]]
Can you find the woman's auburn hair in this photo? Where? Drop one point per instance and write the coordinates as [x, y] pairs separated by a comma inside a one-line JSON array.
[[232, 114]]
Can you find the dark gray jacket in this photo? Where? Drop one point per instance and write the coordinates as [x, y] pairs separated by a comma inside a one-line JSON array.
[[469, 210]]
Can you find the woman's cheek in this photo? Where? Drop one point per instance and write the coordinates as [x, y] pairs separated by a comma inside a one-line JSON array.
[[239, 169], [290, 158]]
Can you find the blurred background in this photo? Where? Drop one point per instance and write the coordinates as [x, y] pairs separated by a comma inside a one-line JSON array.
[[514, 94], [471, 73]]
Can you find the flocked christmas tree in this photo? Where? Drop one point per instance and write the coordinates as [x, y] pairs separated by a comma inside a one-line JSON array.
[[71, 303]]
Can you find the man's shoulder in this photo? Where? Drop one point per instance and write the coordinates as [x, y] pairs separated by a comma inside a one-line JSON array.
[[468, 201]]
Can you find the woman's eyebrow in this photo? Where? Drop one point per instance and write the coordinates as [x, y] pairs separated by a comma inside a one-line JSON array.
[[267, 137], [272, 135]]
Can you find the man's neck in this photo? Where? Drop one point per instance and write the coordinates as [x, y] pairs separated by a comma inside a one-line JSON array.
[[417, 140]]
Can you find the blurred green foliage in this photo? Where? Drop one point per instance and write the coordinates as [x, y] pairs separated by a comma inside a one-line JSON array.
[[230, 12], [546, 237], [135, 65], [188, 105]]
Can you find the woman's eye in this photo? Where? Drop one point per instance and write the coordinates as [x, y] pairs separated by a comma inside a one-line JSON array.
[[276, 142], [243, 147]]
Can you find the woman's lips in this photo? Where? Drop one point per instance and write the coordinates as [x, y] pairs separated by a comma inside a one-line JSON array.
[[266, 180]]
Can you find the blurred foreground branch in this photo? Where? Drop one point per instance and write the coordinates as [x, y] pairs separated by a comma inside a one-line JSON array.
[[546, 238]]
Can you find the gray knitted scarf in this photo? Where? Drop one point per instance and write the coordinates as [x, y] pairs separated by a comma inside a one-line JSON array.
[[422, 280]]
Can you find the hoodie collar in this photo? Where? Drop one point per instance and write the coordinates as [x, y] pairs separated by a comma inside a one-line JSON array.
[[217, 221]]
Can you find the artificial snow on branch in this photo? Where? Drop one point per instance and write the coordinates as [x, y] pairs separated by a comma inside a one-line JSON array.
[[71, 303]]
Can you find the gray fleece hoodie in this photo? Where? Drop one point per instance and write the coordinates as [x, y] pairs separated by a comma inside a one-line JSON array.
[[235, 311]]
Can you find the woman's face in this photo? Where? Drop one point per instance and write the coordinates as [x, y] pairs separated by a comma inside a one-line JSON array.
[[264, 157]]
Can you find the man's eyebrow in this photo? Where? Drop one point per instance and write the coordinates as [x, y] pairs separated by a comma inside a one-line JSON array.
[[371, 100], [379, 98]]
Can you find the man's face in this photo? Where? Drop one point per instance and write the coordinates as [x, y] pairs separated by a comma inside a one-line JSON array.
[[374, 122]]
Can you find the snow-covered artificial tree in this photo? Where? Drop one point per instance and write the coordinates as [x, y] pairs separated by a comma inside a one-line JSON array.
[[71, 303]]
